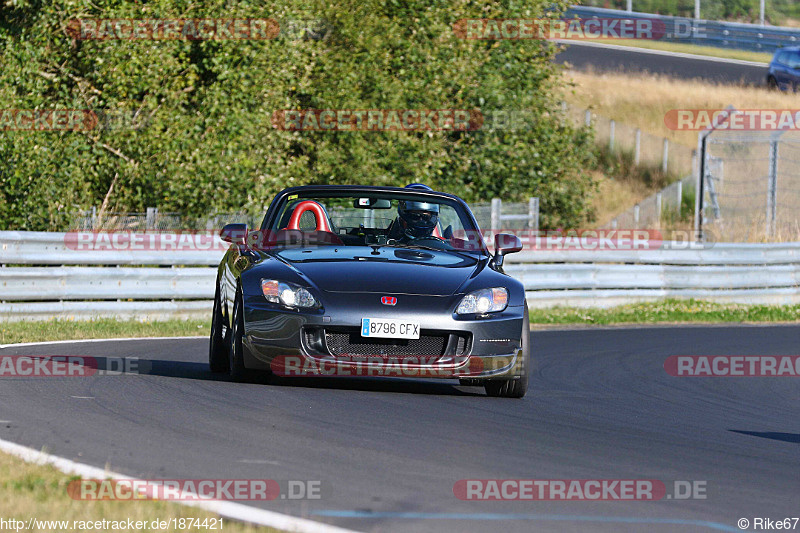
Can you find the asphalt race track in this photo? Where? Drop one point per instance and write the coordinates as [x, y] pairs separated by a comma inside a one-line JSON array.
[[389, 452], [602, 59]]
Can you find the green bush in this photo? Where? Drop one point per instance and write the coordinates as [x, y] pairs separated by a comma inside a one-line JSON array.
[[208, 144]]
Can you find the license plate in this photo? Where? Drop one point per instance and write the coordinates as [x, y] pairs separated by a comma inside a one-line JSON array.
[[389, 329]]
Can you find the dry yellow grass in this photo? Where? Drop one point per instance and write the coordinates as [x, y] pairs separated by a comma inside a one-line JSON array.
[[35, 491], [643, 100], [614, 196]]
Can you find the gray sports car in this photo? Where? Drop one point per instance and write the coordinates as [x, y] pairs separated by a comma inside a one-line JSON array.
[[370, 281]]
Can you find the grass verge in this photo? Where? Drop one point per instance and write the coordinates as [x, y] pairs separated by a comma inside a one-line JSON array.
[[104, 328], [667, 311], [682, 48], [31, 491]]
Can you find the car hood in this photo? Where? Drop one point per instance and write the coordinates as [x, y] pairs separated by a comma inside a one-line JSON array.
[[356, 269]]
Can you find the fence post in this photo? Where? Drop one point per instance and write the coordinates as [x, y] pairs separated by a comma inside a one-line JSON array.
[[665, 157], [496, 207], [637, 149], [680, 197], [533, 213], [564, 106], [614, 224], [658, 208], [772, 188], [587, 117], [636, 216], [611, 130], [94, 218], [152, 213]]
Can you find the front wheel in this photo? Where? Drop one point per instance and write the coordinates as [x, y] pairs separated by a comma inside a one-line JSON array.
[[217, 349], [236, 362], [515, 388], [772, 83]]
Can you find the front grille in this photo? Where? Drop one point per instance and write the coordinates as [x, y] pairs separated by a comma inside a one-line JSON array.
[[350, 343]]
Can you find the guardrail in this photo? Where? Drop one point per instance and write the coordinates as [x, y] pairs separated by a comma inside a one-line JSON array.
[[719, 34], [37, 283]]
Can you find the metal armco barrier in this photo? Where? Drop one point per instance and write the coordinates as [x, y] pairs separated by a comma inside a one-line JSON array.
[[704, 32], [42, 278]]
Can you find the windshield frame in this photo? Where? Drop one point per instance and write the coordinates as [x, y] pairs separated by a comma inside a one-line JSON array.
[[277, 205]]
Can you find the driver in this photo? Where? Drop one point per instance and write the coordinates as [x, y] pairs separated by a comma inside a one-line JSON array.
[[415, 220]]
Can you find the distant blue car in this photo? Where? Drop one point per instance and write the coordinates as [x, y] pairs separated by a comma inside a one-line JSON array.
[[784, 70]]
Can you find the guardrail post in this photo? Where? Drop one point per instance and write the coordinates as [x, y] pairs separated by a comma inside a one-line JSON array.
[[533, 213], [496, 208], [637, 148], [611, 130], [665, 157]]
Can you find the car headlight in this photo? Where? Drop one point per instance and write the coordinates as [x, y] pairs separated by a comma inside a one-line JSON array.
[[483, 301], [288, 294]]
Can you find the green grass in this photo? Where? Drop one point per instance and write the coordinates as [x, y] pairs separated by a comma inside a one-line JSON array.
[[40, 491], [104, 328], [682, 48], [668, 311]]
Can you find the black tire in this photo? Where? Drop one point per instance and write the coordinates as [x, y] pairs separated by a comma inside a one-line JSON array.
[[217, 347], [772, 83], [515, 388], [236, 367]]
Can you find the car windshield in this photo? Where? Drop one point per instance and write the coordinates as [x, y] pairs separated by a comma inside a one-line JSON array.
[[382, 219]]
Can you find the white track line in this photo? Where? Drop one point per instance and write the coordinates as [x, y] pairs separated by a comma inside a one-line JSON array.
[[236, 511], [41, 343], [664, 53]]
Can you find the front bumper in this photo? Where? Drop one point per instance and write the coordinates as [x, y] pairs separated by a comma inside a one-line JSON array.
[[326, 342]]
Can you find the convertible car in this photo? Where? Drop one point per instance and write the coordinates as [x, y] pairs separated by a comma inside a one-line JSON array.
[[370, 281]]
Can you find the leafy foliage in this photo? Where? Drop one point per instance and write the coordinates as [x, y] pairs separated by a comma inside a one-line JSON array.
[[208, 143]]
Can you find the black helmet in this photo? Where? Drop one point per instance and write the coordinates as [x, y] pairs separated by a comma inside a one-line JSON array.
[[419, 218]]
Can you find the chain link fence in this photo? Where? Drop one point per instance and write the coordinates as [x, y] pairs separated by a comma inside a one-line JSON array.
[[751, 188], [645, 148], [670, 208]]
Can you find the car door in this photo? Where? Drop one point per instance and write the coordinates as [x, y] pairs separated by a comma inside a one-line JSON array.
[[793, 70], [780, 69]]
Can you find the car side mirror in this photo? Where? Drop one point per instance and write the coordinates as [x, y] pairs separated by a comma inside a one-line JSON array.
[[505, 243], [234, 234]]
